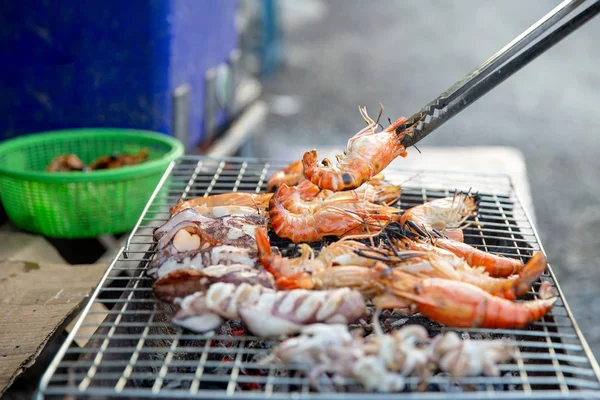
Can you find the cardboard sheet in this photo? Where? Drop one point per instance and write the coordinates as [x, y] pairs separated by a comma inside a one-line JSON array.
[[37, 293]]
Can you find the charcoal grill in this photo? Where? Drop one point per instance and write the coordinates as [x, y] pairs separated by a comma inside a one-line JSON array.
[[137, 352]]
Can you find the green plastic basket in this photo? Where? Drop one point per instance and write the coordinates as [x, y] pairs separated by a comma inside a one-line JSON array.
[[81, 204]]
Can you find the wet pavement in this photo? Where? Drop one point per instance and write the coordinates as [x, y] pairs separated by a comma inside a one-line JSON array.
[[342, 53]]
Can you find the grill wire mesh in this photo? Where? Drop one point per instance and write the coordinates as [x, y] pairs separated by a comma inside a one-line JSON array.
[[137, 352]]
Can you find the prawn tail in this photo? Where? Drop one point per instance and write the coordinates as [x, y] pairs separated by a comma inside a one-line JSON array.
[[530, 273], [262, 243]]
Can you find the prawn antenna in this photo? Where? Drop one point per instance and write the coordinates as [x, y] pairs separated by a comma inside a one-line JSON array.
[[410, 178], [379, 116], [391, 245], [372, 256], [415, 227], [415, 146]]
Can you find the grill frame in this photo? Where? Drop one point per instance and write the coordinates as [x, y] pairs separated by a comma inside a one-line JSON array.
[[189, 177]]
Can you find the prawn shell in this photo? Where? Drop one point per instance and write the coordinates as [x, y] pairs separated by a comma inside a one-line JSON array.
[[462, 305]]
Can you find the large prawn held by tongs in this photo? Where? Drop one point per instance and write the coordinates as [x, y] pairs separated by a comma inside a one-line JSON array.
[[368, 152]]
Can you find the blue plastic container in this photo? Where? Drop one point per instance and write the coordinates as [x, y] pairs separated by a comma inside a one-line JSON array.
[[108, 63]]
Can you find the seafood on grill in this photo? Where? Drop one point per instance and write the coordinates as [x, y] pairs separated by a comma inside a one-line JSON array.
[[190, 240], [227, 211], [367, 153], [509, 288], [471, 357], [337, 253], [291, 175], [460, 304], [435, 262], [189, 230], [494, 264], [292, 200], [258, 201], [183, 282], [381, 361], [266, 312], [337, 265], [325, 221], [375, 190], [447, 215], [165, 262], [332, 349]]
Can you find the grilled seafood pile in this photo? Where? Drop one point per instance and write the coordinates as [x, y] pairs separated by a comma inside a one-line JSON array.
[[381, 362], [216, 261]]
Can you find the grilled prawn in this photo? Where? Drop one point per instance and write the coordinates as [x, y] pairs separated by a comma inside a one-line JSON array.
[[455, 252], [495, 265], [239, 199], [460, 304], [352, 271], [292, 200], [326, 221], [375, 190], [367, 153], [291, 175], [447, 215], [435, 266]]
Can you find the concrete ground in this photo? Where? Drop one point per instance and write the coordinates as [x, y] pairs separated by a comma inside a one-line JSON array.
[[342, 53]]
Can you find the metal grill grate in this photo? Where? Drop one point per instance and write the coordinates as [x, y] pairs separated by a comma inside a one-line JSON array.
[[137, 352]]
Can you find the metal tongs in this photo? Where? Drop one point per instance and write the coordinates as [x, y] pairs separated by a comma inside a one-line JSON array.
[[510, 59]]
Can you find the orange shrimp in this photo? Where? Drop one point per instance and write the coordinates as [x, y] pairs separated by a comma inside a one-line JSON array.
[[292, 200], [462, 305], [436, 266], [326, 221], [290, 274], [375, 190], [256, 200], [368, 152], [445, 215], [259, 201], [494, 264], [291, 175]]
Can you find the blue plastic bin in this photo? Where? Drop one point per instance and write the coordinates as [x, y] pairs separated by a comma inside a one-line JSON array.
[[108, 63]]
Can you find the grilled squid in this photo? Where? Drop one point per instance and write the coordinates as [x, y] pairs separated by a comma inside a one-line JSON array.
[[165, 262], [266, 312], [191, 240], [381, 362], [184, 282]]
